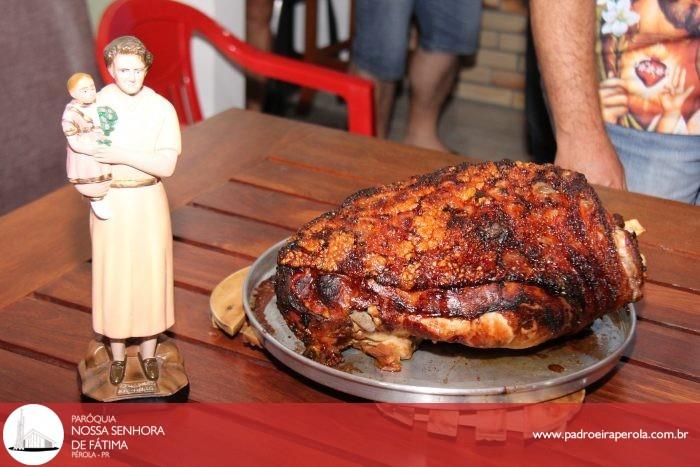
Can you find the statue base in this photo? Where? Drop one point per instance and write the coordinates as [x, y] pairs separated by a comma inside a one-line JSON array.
[[172, 384]]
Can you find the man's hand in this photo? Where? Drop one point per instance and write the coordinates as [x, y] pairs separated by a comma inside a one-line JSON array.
[[598, 162]]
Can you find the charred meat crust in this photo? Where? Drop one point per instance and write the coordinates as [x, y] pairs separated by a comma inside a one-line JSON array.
[[529, 242], [313, 309], [324, 330]]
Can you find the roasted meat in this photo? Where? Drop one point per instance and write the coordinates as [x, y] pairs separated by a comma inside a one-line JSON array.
[[494, 255]]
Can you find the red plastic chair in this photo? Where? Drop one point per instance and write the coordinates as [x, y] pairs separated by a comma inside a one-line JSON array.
[[166, 28]]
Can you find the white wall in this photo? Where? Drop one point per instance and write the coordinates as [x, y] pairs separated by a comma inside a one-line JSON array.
[[220, 85]]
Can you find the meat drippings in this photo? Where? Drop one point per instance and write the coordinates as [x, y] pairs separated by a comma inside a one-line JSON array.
[[262, 295]]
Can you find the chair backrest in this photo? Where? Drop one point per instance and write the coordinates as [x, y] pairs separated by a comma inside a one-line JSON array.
[[166, 28]]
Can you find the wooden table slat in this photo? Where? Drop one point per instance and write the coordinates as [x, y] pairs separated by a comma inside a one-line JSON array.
[[203, 269], [670, 306], [215, 376], [229, 233], [25, 379], [289, 212], [634, 383], [673, 268], [380, 163], [667, 348], [298, 181]]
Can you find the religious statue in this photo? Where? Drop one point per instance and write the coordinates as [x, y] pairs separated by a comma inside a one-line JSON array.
[[132, 251]]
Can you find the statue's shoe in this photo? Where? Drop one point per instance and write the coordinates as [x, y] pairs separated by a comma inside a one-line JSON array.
[[149, 367], [117, 369]]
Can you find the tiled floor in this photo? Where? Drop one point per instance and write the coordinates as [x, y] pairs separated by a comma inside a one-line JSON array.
[[479, 130]]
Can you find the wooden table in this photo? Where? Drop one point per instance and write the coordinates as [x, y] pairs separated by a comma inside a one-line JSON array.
[[244, 182]]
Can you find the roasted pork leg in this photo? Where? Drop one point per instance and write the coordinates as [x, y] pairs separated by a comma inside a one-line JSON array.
[[494, 255]]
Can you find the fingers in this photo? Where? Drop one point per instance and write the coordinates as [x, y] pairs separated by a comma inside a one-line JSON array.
[[675, 76], [681, 83], [101, 153], [613, 97], [613, 114], [616, 110], [605, 92], [614, 83], [688, 92], [613, 100], [677, 84]]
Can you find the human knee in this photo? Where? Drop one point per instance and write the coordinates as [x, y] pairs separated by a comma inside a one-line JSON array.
[[450, 26], [381, 37]]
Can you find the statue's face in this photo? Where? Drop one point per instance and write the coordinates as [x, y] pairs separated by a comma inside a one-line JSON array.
[[84, 91], [128, 72]]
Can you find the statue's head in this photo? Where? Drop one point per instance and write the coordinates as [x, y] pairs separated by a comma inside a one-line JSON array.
[[128, 61], [81, 87]]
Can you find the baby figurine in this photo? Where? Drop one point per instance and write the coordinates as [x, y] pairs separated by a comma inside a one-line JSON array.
[[90, 177]]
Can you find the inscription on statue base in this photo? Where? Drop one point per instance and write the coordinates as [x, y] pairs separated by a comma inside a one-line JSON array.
[[144, 387]]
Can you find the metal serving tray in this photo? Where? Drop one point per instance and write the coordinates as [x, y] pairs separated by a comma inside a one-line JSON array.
[[452, 372]]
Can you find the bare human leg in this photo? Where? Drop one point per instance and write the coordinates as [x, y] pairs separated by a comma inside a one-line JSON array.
[[257, 22], [432, 75], [384, 92]]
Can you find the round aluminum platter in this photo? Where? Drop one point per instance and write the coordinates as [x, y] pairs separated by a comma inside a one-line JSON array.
[[452, 372]]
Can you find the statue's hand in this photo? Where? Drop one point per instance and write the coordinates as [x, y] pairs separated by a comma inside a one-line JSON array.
[[111, 155], [83, 144]]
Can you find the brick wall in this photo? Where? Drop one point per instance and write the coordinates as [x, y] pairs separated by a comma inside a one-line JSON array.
[[498, 76]]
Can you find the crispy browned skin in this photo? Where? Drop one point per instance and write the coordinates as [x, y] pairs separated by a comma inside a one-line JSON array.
[[504, 254]]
